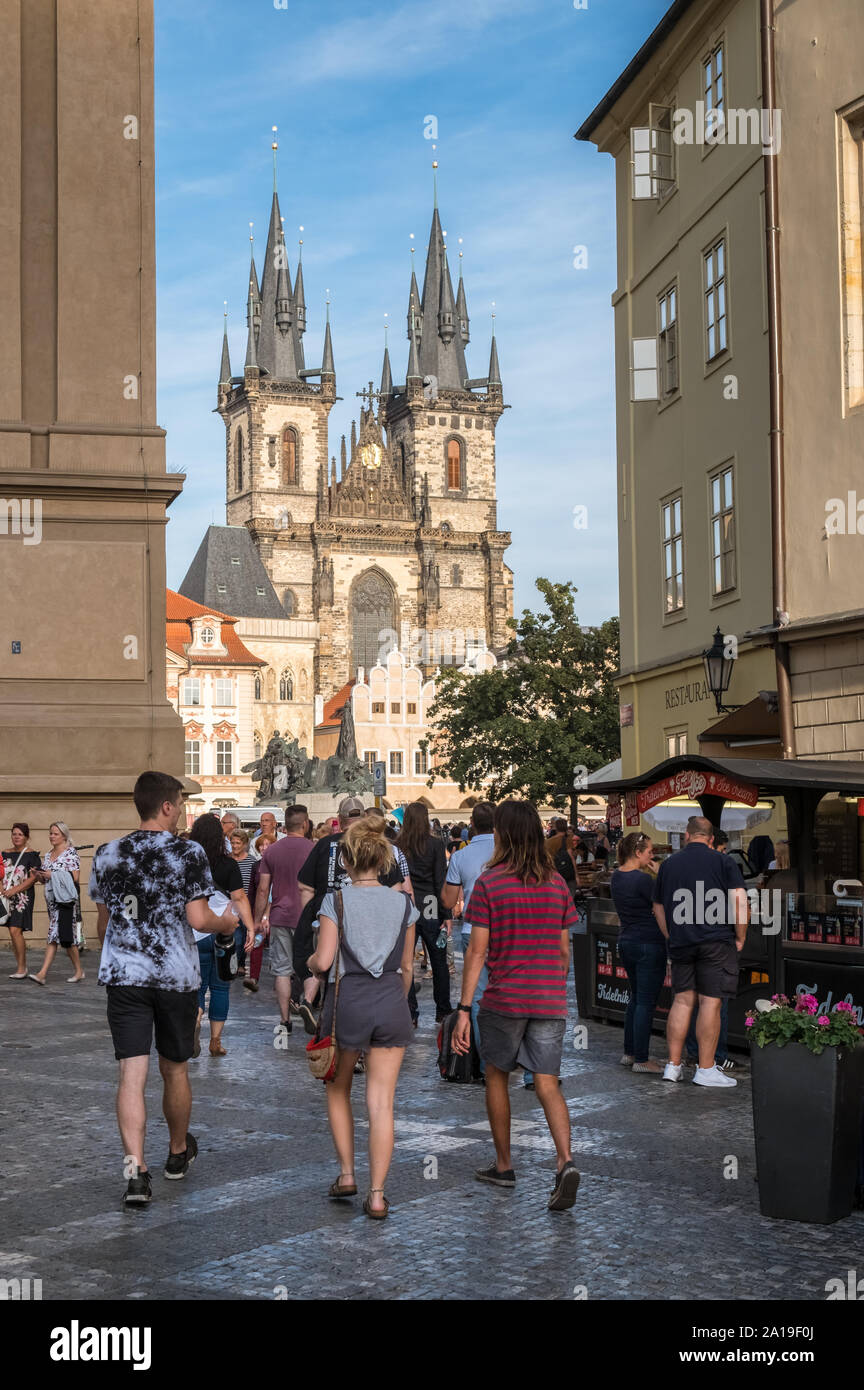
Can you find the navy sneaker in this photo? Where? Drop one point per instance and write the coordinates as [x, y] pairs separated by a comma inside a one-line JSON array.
[[178, 1165], [139, 1191]]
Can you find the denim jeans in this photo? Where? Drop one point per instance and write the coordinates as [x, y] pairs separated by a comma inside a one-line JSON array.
[[479, 991], [219, 989], [692, 1045], [645, 964]]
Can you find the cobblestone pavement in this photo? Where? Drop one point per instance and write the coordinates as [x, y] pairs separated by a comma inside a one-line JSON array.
[[655, 1216]]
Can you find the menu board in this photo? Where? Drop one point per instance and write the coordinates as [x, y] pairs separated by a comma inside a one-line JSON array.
[[837, 839], [611, 987]]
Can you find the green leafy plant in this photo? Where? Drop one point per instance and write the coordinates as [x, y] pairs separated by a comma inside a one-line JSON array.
[[783, 1021], [548, 710]]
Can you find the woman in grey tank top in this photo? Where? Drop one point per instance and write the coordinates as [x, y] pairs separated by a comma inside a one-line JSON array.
[[375, 973]]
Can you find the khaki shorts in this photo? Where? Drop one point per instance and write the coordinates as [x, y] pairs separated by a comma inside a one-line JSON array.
[[281, 951]]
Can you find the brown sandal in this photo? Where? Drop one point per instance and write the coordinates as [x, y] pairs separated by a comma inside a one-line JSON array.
[[217, 1050], [338, 1189], [370, 1211]]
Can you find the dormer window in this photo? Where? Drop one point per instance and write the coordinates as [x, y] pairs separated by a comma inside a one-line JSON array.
[[235, 559], [259, 589], [208, 636], [221, 589]]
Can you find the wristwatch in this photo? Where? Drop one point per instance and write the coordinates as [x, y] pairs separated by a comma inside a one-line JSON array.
[[464, 1008]]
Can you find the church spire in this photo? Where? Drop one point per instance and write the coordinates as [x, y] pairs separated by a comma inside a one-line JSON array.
[[251, 345], [462, 306], [225, 367], [447, 309], [327, 367], [386, 373], [299, 295], [441, 347], [494, 369]]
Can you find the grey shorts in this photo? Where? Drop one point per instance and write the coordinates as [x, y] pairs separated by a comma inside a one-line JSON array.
[[281, 950], [533, 1043]]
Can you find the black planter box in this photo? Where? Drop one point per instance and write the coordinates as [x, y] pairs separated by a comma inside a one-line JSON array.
[[807, 1122]]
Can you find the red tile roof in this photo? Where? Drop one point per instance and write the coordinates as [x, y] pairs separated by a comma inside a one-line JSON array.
[[334, 706], [178, 631]]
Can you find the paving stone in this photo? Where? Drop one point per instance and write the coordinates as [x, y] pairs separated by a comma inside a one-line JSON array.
[[655, 1216]]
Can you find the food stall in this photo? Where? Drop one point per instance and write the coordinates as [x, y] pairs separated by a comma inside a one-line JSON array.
[[812, 937]]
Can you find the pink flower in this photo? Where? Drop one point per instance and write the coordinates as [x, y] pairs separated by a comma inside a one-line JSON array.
[[824, 1021], [843, 1008], [749, 1020], [806, 1004]]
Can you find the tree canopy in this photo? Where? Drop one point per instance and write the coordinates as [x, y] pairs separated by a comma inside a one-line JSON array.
[[547, 710]]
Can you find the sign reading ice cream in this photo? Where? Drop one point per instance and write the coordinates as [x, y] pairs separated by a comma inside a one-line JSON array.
[[693, 784]]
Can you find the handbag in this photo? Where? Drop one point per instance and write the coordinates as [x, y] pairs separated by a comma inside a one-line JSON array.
[[5, 904], [322, 1054]]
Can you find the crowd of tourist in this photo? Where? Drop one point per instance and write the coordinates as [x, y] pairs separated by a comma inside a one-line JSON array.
[[346, 910]]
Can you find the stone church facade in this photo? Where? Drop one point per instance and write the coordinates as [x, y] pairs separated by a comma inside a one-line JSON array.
[[399, 543]]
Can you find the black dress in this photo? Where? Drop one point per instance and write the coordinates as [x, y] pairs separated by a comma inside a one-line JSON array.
[[30, 860]]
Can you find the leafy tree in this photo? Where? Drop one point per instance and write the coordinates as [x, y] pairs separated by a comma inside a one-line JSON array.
[[547, 710]]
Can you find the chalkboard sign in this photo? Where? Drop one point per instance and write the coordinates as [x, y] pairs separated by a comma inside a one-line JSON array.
[[837, 839]]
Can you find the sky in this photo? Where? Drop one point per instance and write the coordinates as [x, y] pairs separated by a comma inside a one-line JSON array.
[[351, 88]]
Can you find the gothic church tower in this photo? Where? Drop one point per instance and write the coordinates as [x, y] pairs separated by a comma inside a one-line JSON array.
[[403, 539]]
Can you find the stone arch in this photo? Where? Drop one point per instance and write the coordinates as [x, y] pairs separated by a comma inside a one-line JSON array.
[[238, 461], [289, 603], [454, 463], [286, 685], [374, 610], [290, 453]]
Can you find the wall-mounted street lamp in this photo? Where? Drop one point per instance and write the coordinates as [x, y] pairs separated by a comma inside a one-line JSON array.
[[718, 662]]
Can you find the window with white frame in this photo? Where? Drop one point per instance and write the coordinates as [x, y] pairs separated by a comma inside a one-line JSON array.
[[223, 691], [714, 92], [667, 317], [716, 336], [224, 757], [396, 764], [190, 691], [652, 155], [193, 757], [676, 743], [673, 555], [421, 762], [370, 758], [208, 636], [723, 575]]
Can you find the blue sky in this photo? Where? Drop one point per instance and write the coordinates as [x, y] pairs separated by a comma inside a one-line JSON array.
[[349, 86]]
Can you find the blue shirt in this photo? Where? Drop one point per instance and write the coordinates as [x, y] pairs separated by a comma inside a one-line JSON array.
[[694, 885], [466, 866], [633, 895]]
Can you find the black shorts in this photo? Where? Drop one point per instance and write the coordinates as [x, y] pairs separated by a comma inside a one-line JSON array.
[[134, 1012], [711, 968]]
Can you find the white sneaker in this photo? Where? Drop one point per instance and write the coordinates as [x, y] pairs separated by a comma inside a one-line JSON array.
[[672, 1071], [712, 1076]]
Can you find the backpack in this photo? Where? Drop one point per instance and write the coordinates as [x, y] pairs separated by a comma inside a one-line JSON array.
[[462, 1067], [564, 865]]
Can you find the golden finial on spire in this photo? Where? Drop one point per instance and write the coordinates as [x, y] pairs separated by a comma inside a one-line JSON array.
[[300, 244], [275, 147]]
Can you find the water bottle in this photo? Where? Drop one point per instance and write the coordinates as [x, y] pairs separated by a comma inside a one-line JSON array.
[[259, 938], [225, 952], [441, 939]]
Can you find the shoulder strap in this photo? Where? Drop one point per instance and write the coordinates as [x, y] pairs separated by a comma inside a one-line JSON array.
[[340, 926]]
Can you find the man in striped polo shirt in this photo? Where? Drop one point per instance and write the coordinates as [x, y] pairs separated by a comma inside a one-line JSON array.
[[521, 915]]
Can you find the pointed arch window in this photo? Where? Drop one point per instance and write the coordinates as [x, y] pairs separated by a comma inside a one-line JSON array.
[[373, 618], [289, 602], [455, 460], [257, 687], [286, 686], [257, 746], [289, 456], [239, 460]]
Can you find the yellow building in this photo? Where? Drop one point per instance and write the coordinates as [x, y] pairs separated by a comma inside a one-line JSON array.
[[740, 378]]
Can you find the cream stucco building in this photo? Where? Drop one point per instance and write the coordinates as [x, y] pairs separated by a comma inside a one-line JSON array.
[[718, 525]]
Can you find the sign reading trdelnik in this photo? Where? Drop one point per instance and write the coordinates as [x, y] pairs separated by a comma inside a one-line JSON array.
[[694, 784]]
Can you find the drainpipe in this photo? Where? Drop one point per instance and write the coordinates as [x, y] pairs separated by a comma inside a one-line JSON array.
[[775, 354]]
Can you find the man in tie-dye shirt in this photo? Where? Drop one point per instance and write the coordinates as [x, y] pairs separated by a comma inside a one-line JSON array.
[[151, 890]]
